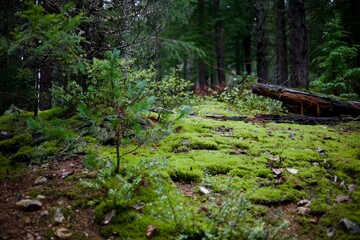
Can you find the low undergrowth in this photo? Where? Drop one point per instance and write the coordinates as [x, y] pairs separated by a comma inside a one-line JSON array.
[[208, 179]]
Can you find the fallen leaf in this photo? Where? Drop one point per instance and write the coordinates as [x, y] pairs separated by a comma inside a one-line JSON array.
[[302, 210], [108, 217], [314, 219], [292, 170], [335, 178], [330, 232], [203, 209], [320, 151], [343, 198], [292, 136], [279, 181], [277, 171], [351, 187], [275, 158], [350, 226], [137, 207], [204, 190], [150, 231], [304, 202], [66, 174]]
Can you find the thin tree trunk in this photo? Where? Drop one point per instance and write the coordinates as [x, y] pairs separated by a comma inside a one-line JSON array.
[[298, 45], [262, 63], [281, 68], [185, 69], [247, 51], [37, 88], [238, 61], [45, 84], [219, 47], [202, 69]]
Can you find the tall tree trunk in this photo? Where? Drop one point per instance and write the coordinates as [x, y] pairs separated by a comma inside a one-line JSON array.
[[262, 63], [219, 47], [247, 50], [298, 45], [281, 68], [202, 69]]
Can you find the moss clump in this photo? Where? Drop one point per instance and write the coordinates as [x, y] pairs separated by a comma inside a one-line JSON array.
[[12, 145], [214, 169], [268, 195], [25, 154], [102, 209], [240, 173], [53, 113], [186, 176]]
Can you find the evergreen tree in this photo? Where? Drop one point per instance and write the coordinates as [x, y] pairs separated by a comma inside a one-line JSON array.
[[45, 42], [117, 94], [337, 76]]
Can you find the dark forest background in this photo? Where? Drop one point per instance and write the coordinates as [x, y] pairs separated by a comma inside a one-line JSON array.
[[46, 47]]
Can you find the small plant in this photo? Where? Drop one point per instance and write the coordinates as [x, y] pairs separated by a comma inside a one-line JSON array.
[[117, 95]]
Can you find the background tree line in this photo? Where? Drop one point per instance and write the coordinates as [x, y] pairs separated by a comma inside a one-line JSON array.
[[50, 44]]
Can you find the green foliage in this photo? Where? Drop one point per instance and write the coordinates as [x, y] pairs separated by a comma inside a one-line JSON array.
[[68, 96], [45, 36], [245, 101], [338, 77], [171, 92], [47, 131], [47, 40]]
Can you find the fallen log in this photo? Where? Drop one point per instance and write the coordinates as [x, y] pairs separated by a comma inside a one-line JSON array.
[[305, 120], [308, 103]]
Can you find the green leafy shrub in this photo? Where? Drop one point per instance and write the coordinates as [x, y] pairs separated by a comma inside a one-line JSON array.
[[68, 96], [171, 92]]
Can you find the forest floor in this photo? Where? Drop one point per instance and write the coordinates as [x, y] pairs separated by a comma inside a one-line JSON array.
[[209, 179]]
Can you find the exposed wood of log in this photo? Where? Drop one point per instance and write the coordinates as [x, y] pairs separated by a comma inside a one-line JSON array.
[[306, 120], [307, 103]]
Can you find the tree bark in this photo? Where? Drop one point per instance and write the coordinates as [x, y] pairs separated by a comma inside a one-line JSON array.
[[238, 62], [247, 51], [219, 47], [307, 103], [298, 45], [202, 70], [45, 85], [281, 68], [262, 63]]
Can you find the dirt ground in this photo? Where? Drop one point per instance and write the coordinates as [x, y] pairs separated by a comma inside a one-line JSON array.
[[58, 192]]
